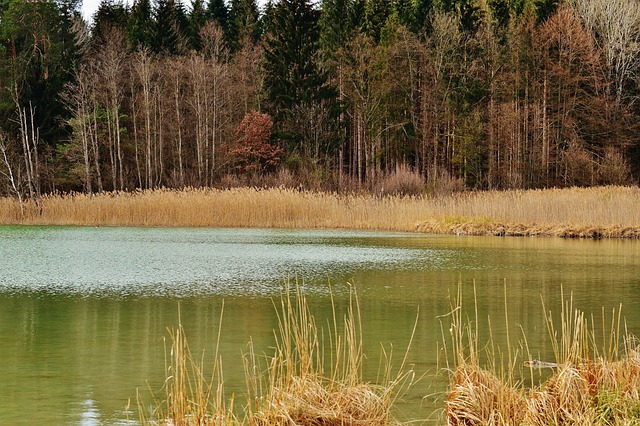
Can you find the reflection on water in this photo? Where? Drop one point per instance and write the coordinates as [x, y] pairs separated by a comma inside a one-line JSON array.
[[84, 311]]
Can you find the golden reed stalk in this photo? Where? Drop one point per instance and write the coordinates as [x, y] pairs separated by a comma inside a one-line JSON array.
[[575, 212], [593, 380]]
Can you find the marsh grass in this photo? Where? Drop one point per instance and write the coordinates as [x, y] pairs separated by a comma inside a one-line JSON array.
[[304, 382], [603, 212], [190, 395], [595, 378]]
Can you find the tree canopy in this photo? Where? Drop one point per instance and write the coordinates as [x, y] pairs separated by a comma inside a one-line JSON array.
[[465, 93]]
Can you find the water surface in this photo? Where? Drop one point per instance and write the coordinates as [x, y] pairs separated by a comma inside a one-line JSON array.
[[84, 311]]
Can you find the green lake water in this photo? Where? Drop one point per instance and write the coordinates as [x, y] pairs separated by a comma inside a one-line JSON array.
[[84, 311]]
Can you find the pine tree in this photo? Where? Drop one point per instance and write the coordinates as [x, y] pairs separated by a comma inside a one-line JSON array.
[[500, 13], [110, 13], [545, 8], [217, 10], [293, 79], [335, 25], [422, 16], [170, 30], [197, 18], [375, 16], [243, 22], [140, 24], [405, 11], [357, 14]]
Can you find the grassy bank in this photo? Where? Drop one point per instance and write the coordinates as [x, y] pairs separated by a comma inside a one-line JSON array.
[[593, 380], [609, 212]]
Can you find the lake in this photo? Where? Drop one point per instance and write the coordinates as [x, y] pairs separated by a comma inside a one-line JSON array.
[[84, 312]]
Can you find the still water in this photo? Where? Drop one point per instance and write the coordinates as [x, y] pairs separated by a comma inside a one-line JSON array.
[[84, 311]]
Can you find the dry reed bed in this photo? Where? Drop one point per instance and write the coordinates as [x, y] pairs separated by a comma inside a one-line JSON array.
[[612, 212], [591, 384], [302, 383]]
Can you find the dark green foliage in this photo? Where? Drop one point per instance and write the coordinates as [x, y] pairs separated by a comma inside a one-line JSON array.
[[335, 25], [357, 14], [467, 12], [243, 22], [405, 11], [171, 27], [545, 8], [110, 14], [375, 16], [197, 18], [357, 88], [141, 25], [292, 75], [500, 13], [423, 10], [42, 54], [295, 85], [218, 11]]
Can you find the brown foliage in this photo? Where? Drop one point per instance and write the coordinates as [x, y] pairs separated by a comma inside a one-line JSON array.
[[252, 151]]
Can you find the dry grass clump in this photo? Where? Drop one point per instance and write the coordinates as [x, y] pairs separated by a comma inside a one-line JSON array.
[[403, 181], [191, 397], [602, 212], [305, 385], [590, 384], [479, 397]]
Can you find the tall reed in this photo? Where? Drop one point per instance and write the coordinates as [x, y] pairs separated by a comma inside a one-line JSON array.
[[191, 396], [304, 382], [573, 212], [595, 379]]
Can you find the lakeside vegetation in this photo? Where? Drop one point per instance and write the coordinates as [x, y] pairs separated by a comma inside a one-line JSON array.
[[603, 212], [593, 380], [313, 377]]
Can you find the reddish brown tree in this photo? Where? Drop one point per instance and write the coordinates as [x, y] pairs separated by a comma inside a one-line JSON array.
[[253, 152]]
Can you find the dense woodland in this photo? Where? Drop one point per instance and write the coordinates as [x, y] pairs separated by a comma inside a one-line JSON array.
[[482, 94]]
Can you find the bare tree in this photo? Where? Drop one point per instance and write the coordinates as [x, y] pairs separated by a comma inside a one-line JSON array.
[[143, 69], [78, 98], [29, 136], [111, 60], [616, 24], [8, 174]]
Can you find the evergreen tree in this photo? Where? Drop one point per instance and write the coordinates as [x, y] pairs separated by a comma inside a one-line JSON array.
[[335, 25], [405, 11], [243, 22], [293, 79], [43, 54], [197, 18], [422, 16], [467, 12], [110, 13], [169, 35], [500, 13], [141, 24], [357, 14], [545, 8], [375, 16], [267, 19], [217, 10]]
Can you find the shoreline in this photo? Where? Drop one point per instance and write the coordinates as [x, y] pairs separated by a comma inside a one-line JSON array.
[[594, 213]]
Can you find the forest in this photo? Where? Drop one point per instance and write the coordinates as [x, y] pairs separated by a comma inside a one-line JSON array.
[[332, 95]]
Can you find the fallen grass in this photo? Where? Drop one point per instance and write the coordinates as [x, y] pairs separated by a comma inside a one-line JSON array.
[[602, 212], [591, 384], [302, 383]]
